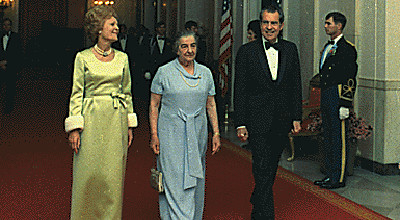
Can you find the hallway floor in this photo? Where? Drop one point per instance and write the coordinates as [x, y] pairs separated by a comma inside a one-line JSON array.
[[376, 192]]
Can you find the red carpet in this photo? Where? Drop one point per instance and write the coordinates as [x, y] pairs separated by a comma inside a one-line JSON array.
[[36, 165]]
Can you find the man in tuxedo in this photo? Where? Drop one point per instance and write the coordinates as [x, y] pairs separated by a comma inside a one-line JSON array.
[[10, 61], [160, 48], [141, 71], [267, 103], [338, 69], [126, 42], [201, 45]]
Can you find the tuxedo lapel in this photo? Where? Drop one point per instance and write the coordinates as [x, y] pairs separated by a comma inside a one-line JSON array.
[[10, 39], [2, 44], [263, 60], [282, 59], [153, 45]]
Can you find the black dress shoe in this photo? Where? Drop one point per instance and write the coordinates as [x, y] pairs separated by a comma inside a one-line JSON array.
[[330, 185], [321, 182]]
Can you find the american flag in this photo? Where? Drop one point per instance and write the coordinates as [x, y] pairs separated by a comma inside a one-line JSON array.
[[225, 47]]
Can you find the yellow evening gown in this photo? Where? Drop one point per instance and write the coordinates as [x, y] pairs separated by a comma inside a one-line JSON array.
[[101, 106]]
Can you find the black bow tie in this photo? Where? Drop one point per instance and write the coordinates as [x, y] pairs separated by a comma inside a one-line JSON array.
[[269, 45], [331, 42]]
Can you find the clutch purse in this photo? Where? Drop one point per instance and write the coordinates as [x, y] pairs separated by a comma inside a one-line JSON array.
[[156, 180]]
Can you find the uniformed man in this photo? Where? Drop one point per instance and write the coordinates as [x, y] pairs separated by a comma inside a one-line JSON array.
[[338, 69]]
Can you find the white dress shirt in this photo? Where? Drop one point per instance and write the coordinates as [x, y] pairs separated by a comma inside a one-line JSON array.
[[160, 43], [123, 42], [272, 55], [5, 40]]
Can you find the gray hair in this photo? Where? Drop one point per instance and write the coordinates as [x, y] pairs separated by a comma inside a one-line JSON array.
[[182, 34]]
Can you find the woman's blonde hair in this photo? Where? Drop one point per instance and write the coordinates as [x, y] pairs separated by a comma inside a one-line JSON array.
[[95, 18]]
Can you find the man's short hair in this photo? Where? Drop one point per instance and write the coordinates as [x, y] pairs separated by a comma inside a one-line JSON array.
[[190, 24], [159, 24], [272, 8], [337, 18]]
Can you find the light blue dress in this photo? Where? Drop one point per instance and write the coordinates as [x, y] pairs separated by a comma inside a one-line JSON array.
[[182, 131]]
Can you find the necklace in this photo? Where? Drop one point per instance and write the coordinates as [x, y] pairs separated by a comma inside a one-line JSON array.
[[102, 52], [198, 80]]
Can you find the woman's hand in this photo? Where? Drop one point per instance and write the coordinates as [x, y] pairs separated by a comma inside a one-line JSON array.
[[216, 141], [130, 137], [155, 144], [74, 139], [155, 100]]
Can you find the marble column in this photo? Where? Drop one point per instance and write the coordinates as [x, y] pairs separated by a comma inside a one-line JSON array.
[[379, 82]]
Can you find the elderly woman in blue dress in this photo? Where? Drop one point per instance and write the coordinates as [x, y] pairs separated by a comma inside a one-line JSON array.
[[185, 90]]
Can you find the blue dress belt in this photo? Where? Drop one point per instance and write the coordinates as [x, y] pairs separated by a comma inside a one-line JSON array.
[[193, 167]]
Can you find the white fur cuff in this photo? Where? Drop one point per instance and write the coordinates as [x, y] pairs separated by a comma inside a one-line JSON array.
[[132, 120], [74, 122]]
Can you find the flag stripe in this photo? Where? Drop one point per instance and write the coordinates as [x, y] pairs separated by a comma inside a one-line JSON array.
[[225, 46], [227, 40], [225, 31], [225, 23]]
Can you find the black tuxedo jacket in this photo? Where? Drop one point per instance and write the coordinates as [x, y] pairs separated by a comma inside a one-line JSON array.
[[158, 59], [131, 48], [201, 51], [131, 44], [340, 69], [13, 51], [261, 104]]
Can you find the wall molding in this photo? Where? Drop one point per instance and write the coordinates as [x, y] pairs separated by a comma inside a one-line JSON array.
[[379, 168], [379, 84]]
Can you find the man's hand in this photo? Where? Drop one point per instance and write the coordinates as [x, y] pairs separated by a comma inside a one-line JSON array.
[[3, 64], [296, 127], [242, 134], [344, 113], [147, 75]]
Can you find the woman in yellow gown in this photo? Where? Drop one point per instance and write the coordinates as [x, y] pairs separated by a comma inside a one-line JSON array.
[[101, 120]]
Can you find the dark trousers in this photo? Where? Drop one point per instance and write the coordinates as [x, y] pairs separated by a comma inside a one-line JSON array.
[[266, 150], [8, 90], [335, 135]]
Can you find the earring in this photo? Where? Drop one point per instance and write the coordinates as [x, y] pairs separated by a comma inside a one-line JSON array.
[[99, 32]]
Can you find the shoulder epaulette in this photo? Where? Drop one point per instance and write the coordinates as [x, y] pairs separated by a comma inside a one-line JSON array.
[[352, 44]]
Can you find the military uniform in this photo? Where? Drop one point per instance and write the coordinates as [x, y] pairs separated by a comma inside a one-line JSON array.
[[338, 71]]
